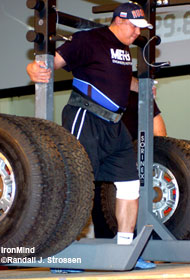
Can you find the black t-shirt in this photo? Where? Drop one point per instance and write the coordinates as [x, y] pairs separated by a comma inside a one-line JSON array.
[[99, 58], [130, 116]]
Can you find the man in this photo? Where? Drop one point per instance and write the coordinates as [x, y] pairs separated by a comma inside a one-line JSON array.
[[130, 119], [101, 64]]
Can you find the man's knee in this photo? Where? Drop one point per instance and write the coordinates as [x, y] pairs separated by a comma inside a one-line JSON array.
[[128, 190]]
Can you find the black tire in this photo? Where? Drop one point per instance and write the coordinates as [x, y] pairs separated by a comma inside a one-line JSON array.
[[172, 157], [108, 194], [80, 187], [44, 184], [30, 164]]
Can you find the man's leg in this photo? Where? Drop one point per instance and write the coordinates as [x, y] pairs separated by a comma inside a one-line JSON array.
[[126, 214], [126, 211], [127, 195]]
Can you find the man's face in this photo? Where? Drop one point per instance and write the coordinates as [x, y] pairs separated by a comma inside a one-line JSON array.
[[128, 32]]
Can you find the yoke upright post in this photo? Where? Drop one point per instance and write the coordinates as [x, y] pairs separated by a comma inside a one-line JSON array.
[[44, 49]]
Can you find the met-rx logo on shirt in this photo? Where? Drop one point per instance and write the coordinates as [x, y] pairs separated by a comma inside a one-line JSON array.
[[120, 57]]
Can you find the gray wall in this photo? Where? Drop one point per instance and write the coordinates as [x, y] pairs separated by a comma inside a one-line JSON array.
[[173, 25], [173, 98]]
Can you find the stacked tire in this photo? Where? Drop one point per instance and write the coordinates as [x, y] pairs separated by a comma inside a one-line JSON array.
[[46, 186]]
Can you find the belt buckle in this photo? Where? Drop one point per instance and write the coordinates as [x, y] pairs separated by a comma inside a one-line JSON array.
[[117, 118]]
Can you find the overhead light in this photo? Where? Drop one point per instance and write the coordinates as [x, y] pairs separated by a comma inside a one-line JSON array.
[[162, 2]]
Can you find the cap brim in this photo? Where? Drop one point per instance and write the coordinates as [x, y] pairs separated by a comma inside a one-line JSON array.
[[141, 23]]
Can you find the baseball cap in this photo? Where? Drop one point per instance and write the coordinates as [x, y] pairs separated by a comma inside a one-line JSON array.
[[134, 13]]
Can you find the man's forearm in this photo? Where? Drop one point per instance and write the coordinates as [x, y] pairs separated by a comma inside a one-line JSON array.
[[134, 84]]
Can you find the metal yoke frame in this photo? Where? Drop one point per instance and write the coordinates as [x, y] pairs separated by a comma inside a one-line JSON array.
[[118, 257]]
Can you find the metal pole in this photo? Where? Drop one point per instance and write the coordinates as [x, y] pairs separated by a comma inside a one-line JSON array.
[[145, 131], [145, 125], [76, 22], [44, 48], [44, 97]]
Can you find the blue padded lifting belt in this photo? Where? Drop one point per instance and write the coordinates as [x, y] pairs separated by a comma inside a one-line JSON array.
[[95, 95]]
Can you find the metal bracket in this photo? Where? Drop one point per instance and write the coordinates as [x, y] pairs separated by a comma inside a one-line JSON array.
[[96, 254]]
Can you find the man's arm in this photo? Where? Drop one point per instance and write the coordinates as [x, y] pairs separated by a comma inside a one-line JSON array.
[[59, 62], [38, 72], [134, 84], [159, 126]]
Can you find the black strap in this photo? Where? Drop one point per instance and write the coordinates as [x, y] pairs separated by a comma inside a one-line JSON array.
[[76, 99]]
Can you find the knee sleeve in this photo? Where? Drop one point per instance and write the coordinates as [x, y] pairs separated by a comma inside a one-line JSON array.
[[127, 190]]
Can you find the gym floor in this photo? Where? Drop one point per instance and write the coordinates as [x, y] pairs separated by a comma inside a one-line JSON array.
[[169, 271]]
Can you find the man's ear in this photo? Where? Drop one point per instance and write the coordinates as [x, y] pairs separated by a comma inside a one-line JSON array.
[[118, 20]]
